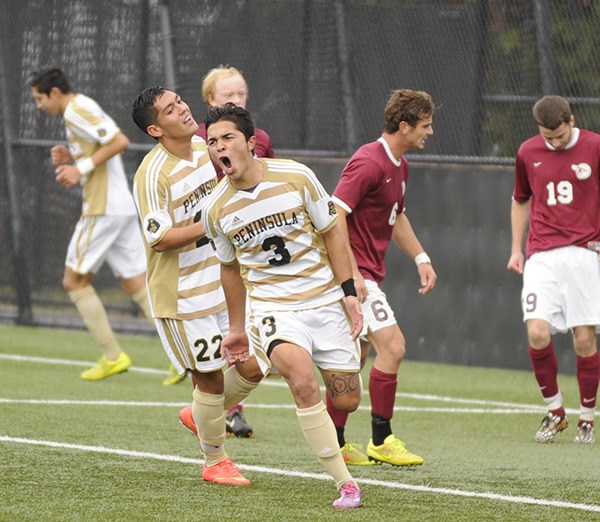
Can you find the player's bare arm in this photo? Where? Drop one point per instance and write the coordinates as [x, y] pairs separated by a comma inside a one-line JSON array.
[[339, 255], [359, 281], [404, 236], [355, 313], [180, 236], [236, 343], [519, 220]]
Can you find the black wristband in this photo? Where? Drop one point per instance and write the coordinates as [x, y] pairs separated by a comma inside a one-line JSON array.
[[349, 288]]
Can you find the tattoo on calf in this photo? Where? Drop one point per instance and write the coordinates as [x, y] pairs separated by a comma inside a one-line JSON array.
[[340, 383]]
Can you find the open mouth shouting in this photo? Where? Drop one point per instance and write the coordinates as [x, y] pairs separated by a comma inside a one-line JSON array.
[[226, 162]]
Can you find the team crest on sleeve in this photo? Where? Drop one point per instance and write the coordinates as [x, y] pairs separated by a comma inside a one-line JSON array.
[[332, 209], [153, 226], [582, 171], [101, 133]]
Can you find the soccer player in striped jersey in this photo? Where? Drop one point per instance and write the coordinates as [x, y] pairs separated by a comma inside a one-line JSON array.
[[557, 196], [223, 85], [171, 187], [108, 229], [275, 231]]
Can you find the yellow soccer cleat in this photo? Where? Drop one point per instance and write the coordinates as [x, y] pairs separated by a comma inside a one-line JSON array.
[[174, 377], [354, 457], [393, 452], [105, 368]]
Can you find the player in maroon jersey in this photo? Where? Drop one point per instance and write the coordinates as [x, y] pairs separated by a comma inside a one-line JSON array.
[[370, 202], [226, 84], [557, 194]]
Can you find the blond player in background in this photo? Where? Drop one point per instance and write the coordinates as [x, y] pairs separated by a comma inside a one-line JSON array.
[[224, 84]]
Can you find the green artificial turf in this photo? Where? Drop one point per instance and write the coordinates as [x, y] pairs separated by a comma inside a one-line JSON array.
[[114, 449]]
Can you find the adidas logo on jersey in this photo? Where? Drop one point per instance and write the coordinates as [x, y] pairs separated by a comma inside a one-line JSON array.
[[236, 221]]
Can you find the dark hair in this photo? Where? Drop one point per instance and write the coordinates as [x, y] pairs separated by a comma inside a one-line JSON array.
[[143, 110], [409, 106], [550, 111], [46, 78], [230, 112]]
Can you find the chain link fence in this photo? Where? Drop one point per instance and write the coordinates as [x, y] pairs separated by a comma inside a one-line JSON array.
[[319, 73]]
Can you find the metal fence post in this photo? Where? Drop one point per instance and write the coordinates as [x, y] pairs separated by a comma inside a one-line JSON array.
[[347, 96], [543, 34], [19, 261], [167, 35]]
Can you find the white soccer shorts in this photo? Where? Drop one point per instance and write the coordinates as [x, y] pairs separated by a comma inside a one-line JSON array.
[[377, 313], [324, 332], [562, 286], [195, 344], [114, 239]]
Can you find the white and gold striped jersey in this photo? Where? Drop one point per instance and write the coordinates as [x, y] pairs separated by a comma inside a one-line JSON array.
[[274, 231], [170, 192], [88, 128]]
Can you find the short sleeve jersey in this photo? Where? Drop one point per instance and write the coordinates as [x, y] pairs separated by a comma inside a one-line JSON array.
[[372, 189], [274, 231], [88, 128], [564, 189], [171, 192]]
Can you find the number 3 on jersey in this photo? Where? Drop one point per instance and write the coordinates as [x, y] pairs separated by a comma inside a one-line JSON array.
[[277, 245]]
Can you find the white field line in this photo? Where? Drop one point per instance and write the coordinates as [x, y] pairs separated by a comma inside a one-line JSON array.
[[251, 405], [485, 406], [316, 476], [259, 406], [70, 362]]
